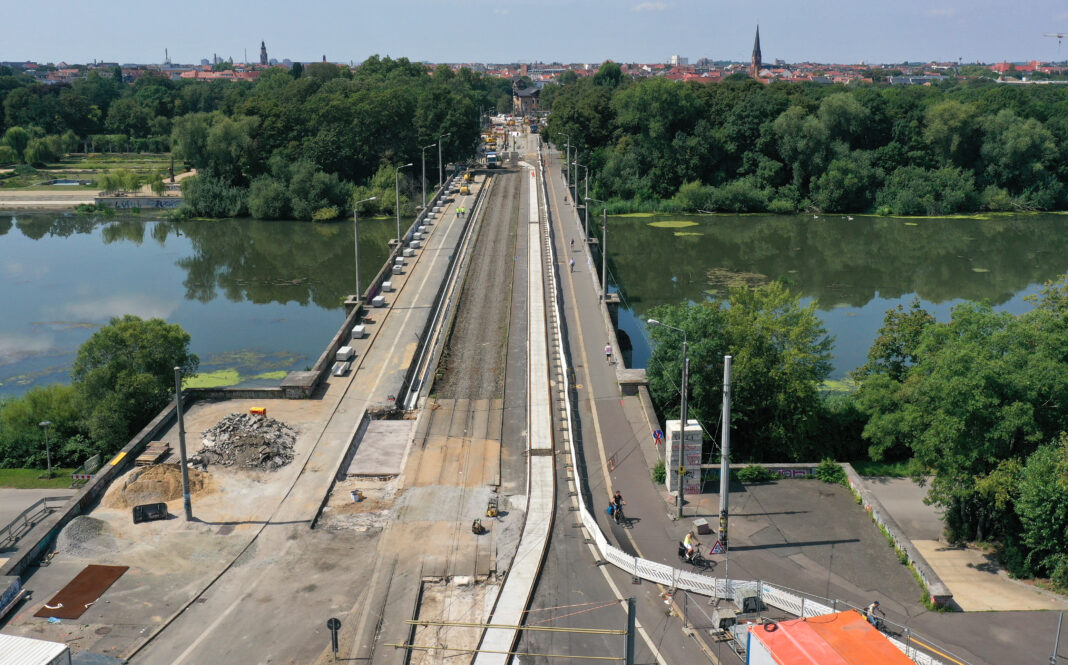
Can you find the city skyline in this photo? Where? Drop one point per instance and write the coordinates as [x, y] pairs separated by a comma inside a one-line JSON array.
[[529, 31]]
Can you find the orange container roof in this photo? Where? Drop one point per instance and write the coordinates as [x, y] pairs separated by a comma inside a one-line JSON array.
[[845, 638]]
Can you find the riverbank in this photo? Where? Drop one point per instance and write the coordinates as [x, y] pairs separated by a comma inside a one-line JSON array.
[[24, 199]]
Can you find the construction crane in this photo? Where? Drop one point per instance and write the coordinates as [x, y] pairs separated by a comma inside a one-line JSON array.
[[1059, 36]]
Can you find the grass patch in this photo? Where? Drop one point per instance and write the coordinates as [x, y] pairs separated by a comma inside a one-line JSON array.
[[845, 385], [683, 234], [25, 479], [888, 469], [636, 214], [672, 224], [216, 379]]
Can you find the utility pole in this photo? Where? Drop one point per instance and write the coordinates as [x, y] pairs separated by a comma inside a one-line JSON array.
[[681, 501], [725, 470], [186, 501], [604, 262], [632, 621], [441, 178], [1056, 640]]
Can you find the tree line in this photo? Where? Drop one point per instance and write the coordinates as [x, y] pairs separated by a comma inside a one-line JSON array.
[[745, 146], [977, 405], [297, 143]]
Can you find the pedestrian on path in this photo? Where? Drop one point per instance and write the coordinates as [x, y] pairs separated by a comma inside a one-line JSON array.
[[572, 244], [608, 352], [572, 265]]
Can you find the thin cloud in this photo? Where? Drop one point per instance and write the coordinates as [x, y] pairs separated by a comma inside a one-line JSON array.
[[501, 12], [945, 13], [650, 7], [1061, 17]]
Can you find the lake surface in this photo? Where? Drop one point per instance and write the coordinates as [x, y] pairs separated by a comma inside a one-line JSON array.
[[855, 269], [258, 298]]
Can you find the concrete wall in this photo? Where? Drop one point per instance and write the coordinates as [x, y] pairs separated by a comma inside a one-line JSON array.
[[140, 202], [940, 593]]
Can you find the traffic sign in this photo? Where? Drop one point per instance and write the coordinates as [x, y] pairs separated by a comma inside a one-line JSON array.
[[718, 548], [658, 435]]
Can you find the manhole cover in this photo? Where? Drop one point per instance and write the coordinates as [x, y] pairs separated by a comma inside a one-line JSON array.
[[103, 630], [225, 530]]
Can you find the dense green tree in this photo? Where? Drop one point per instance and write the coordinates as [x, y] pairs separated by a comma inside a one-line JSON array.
[[17, 139], [125, 374], [781, 355], [1042, 508]]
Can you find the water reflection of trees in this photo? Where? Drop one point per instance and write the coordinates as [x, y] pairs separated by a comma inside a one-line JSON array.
[[282, 262], [257, 261], [839, 261]]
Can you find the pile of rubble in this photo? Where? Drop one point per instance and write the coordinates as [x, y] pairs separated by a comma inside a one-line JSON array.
[[245, 440]]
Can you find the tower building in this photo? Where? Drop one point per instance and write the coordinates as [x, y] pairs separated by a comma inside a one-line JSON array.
[[754, 65], [263, 53]]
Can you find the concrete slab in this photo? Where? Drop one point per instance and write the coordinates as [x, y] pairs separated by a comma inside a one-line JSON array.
[[980, 585], [13, 501], [381, 451], [903, 499]]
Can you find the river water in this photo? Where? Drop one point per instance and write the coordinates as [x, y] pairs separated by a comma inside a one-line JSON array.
[[856, 269], [258, 298]]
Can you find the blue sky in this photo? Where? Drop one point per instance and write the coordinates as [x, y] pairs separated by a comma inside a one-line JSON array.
[[526, 30]]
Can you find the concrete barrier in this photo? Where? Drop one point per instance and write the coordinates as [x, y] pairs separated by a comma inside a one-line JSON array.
[[939, 592]]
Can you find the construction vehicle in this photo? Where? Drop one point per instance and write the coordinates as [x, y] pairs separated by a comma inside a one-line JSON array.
[[468, 177], [464, 190], [491, 160]]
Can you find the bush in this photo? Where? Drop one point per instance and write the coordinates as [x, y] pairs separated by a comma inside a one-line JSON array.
[[754, 473], [211, 196], [830, 471], [268, 199], [326, 214], [740, 195], [25, 169], [8, 155], [659, 473]]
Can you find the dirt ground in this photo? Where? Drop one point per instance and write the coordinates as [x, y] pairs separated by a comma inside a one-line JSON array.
[[170, 560], [474, 356]]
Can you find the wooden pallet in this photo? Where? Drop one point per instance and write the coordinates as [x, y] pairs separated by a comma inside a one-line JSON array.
[[155, 451]]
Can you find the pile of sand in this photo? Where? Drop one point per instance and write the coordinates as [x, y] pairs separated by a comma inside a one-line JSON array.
[[154, 484]]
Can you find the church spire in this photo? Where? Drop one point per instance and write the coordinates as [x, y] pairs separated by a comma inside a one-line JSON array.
[[263, 53], [755, 64]]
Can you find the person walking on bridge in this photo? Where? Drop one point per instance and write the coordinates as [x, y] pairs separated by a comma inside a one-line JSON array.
[[608, 352]]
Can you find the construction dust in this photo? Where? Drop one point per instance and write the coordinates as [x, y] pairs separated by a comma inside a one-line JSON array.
[[249, 441], [158, 483]]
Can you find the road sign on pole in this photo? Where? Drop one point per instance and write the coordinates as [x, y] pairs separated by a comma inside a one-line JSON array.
[[658, 437], [333, 625], [718, 548]]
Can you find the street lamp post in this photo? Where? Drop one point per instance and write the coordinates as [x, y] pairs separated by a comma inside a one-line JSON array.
[[396, 184], [586, 172], [424, 172], [356, 222], [604, 244], [181, 444], [45, 424], [441, 177], [685, 414]]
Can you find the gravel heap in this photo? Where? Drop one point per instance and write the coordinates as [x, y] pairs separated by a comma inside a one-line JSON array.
[[245, 440], [84, 536]]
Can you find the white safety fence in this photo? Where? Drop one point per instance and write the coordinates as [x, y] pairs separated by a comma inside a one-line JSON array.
[[669, 576]]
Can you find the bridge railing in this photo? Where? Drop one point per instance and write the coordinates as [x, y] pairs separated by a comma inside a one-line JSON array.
[[29, 518]]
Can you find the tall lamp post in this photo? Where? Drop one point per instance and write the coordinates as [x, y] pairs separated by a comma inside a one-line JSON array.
[[424, 172], [679, 500], [356, 222], [181, 444], [586, 173], [604, 246], [396, 184], [45, 424], [441, 177]]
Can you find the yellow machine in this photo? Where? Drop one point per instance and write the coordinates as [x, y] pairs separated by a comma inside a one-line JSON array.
[[464, 190], [468, 177]]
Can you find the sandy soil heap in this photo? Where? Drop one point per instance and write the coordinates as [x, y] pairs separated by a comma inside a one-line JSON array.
[[154, 484], [245, 440]]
